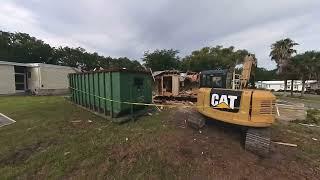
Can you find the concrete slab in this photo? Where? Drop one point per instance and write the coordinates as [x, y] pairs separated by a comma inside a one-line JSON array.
[[5, 120], [289, 111]]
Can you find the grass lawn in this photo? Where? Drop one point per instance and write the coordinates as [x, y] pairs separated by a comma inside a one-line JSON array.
[[53, 139], [310, 100], [45, 143]]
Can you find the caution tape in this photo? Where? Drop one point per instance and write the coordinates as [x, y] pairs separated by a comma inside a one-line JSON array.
[[132, 103], [166, 105]]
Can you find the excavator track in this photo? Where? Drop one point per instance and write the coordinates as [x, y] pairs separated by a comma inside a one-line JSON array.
[[258, 141]]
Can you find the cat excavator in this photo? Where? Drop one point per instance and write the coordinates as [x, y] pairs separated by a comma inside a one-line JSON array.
[[227, 97]]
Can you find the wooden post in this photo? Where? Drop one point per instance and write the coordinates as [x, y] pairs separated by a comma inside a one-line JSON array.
[[291, 93], [285, 87], [303, 86]]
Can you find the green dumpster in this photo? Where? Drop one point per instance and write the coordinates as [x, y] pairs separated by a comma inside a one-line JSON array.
[[112, 92]]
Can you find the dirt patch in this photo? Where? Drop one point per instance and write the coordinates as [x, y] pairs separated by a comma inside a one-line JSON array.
[[21, 155], [224, 155], [214, 152]]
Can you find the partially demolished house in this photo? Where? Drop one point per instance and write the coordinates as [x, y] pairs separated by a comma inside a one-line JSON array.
[[174, 83], [167, 82], [189, 81]]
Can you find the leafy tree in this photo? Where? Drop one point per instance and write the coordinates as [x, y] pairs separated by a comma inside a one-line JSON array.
[[306, 66], [5, 41], [124, 62], [161, 59], [263, 74], [281, 52], [21, 47], [213, 58], [73, 57]]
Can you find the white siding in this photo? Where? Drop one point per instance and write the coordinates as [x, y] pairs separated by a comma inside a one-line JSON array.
[[274, 87], [315, 85], [7, 81], [55, 78], [279, 85]]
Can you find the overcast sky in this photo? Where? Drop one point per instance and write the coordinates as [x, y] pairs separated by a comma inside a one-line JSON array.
[[128, 28]]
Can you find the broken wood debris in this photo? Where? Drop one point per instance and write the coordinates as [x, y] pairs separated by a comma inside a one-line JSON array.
[[286, 144], [76, 121], [309, 125]]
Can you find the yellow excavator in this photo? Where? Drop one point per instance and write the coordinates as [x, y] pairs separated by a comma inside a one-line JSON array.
[[226, 97]]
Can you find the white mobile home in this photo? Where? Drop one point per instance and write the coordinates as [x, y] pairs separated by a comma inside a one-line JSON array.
[[279, 85], [36, 78], [315, 85]]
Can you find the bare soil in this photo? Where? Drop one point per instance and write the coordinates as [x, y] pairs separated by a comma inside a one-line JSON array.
[[214, 152], [22, 154]]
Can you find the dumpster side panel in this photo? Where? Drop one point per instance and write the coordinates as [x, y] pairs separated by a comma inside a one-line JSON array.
[[101, 91], [96, 91], [71, 86], [82, 90], [78, 88], [108, 92], [116, 104], [107, 89], [135, 87], [91, 88], [86, 89]]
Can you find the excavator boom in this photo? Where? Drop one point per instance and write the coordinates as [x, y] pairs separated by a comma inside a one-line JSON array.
[[247, 71]]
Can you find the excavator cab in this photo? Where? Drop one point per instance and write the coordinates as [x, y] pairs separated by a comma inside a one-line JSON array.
[[213, 78], [219, 78]]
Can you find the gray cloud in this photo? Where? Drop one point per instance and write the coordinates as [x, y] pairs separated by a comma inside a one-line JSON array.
[[128, 28]]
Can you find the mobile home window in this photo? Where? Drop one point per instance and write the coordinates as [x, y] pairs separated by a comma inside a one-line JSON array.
[[19, 69]]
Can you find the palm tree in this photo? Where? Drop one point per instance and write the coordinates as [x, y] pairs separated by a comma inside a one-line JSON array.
[[281, 52]]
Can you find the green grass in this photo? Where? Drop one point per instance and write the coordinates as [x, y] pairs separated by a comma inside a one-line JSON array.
[[313, 116], [309, 100], [308, 150], [49, 142], [306, 98], [45, 143]]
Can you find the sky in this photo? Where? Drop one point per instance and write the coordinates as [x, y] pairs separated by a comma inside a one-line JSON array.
[[128, 28]]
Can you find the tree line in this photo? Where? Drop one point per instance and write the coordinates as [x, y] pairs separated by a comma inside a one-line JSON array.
[[292, 66], [21, 47], [204, 59]]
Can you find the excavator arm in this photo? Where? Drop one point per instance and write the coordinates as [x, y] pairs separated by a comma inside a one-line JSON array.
[[247, 71]]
